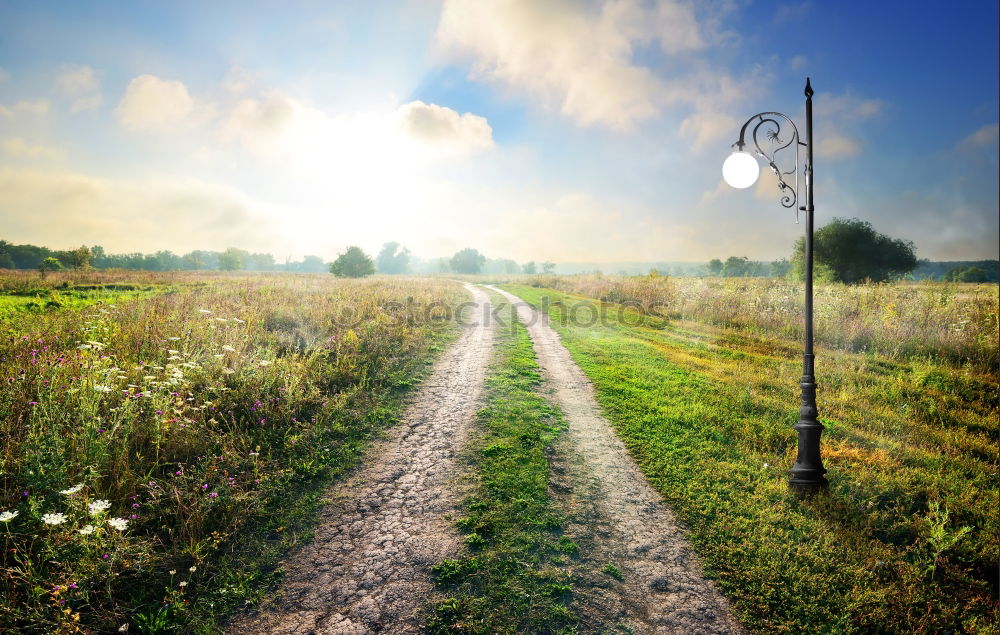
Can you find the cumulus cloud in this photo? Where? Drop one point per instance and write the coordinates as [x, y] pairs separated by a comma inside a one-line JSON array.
[[151, 103], [21, 149], [68, 208], [838, 118], [443, 127], [987, 136], [82, 85], [570, 58], [29, 107]]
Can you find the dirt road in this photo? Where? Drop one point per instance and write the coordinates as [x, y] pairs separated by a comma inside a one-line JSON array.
[[368, 567], [616, 517]]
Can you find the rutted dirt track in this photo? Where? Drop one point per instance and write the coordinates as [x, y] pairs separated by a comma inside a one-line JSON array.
[[616, 516], [368, 567]]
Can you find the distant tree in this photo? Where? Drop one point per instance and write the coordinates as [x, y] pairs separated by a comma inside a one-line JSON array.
[[548, 267], [6, 261], [852, 251], [529, 267], [78, 258], [780, 268], [467, 261], [193, 261], [49, 264], [968, 274], [311, 264], [232, 259], [715, 267], [736, 266], [393, 258], [97, 256], [260, 262], [353, 263], [509, 266]]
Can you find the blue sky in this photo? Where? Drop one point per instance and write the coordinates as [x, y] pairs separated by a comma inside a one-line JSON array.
[[566, 131]]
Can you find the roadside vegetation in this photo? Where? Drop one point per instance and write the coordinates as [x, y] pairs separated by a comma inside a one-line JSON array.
[[161, 448], [513, 579], [935, 322], [907, 539]]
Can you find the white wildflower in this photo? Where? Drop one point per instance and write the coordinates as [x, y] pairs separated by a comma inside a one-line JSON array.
[[218, 356], [228, 371], [100, 388], [173, 339], [72, 490], [6, 517], [54, 519], [98, 507], [84, 347], [265, 362], [118, 523], [173, 572], [193, 569], [86, 530], [239, 320], [123, 628], [229, 348], [182, 583], [172, 351]]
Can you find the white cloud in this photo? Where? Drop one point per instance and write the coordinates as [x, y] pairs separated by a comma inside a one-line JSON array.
[[987, 136], [152, 103], [239, 79], [21, 149], [838, 118], [35, 107], [571, 59], [82, 84], [442, 127], [705, 128], [61, 208], [798, 62]]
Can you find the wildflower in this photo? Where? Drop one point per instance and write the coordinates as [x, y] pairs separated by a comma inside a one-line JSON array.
[[228, 371], [118, 523], [239, 320], [172, 351], [213, 495], [84, 347], [265, 362], [193, 569], [173, 339], [6, 517], [54, 519], [182, 583], [173, 572], [86, 530], [100, 388], [123, 628], [98, 507], [72, 490], [229, 348]]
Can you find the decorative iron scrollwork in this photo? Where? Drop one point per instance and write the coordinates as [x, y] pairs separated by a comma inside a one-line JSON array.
[[769, 124]]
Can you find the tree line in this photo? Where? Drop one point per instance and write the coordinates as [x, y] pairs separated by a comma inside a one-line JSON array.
[[846, 250]]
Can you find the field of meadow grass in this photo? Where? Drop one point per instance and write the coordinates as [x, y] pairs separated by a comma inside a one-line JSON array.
[[166, 437], [705, 392]]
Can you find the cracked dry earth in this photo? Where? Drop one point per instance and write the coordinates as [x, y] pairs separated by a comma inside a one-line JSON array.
[[616, 517], [368, 567]]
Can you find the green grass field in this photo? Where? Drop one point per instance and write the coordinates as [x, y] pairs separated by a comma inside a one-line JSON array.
[[160, 453], [907, 539]]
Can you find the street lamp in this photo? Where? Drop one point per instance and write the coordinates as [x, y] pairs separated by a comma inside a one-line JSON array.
[[741, 171]]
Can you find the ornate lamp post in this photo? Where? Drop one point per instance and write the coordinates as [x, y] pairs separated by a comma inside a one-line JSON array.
[[741, 171]]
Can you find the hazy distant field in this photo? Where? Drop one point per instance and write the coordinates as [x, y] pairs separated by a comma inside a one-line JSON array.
[[168, 428]]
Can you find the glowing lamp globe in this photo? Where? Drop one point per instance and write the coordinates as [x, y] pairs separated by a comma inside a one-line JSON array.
[[740, 170]]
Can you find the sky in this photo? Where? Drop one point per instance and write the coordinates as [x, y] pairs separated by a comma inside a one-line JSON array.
[[562, 130]]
